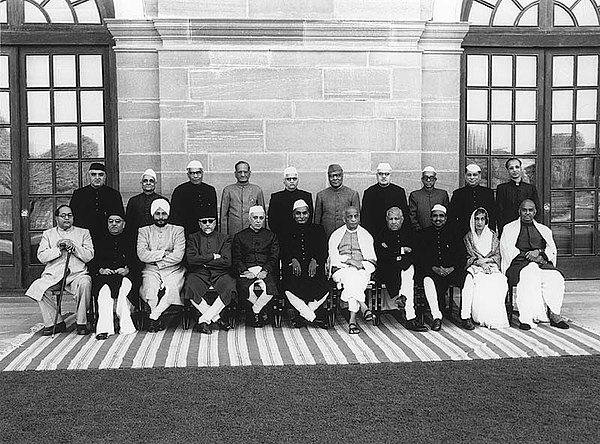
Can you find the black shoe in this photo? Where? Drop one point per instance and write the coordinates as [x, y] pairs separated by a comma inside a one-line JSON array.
[[203, 327], [298, 322], [320, 323], [258, 321], [436, 325], [154, 326], [559, 324], [82, 329], [524, 326], [467, 324], [223, 324], [102, 336], [60, 328], [414, 325]]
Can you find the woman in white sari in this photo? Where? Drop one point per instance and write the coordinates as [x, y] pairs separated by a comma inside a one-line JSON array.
[[485, 287]]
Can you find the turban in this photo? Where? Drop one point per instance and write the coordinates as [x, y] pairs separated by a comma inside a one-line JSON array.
[[162, 204], [384, 167], [194, 164], [97, 166], [290, 172], [429, 169], [149, 172], [300, 204], [334, 167], [256, 209], [473, 168], [438, 207]]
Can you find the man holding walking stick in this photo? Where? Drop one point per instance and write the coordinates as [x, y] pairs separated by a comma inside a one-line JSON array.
[[59, 244]]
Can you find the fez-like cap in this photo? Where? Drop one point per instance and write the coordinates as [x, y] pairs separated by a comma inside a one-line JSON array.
[[116, 212], [473, 168], [429, 169], [439, 207], [300, 203], [97, 166], [194, 164], [290, 172], [205, 212], [334, 167], [162, 204], [149, 172], [384, 167]]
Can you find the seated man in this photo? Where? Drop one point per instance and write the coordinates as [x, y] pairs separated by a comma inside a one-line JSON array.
[[528, 259], [395, 257], [161, 248], [208, 255], [255, 259], [52, 252], [110, 278], [439, 263], [303, 258], [353, 259]]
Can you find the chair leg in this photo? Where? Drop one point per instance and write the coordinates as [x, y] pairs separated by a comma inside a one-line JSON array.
[[278, 307], [186, 314]]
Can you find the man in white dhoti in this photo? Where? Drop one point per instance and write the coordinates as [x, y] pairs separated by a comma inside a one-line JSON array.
[[161, 247], [110, 270], [55, 244], [352, 257], [529, 259]]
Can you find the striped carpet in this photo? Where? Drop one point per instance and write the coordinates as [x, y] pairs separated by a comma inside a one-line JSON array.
[[243, 346]]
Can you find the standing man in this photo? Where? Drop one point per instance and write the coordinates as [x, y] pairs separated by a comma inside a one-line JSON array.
[[92, 203], [281, 203], [420, 202], [161, 248], [509, 195], [138, 208], [379, 197], [331, 202], [191, 198], [52, 252], [467, 199], [528, 256], [237, 199]]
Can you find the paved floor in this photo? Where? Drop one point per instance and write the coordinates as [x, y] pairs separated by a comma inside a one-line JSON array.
[[18, 315]]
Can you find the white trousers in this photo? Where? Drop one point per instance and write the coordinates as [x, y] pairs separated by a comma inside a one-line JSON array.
[[81, 290], [258, 302], [209, 313], [355, 283], [536, 290], [307, 311], [483, 298], [123, 310], [432, 298], [407, 288]]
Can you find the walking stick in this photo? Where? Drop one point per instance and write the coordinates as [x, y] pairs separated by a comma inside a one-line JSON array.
[[62, 289]]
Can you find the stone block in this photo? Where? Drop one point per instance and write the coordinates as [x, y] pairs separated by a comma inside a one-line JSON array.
[[137, 83], [318, 58], [258, 161], [330, 135], [173, 83], [441, 110], [406, 83], [361, 84], [138, 163], [135, 59], [183, 59], [134, 109], [202, 8], [334, 109], [172, 109], [239, 58], [441, 61], [225, 135], [398, 109], [234, 109], [445, 163], [441, 84], [129, 184], [256, 84], [403, 10], [349, 161], [400, 162], [139, 136], [409, 136], [440, 135], [176, 162], [398, 58], [302, 9], [172, 136]]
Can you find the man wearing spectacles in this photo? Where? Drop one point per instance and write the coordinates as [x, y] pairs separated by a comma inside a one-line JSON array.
[[138, 208], [208, 255], [52, 252], [420, 202]]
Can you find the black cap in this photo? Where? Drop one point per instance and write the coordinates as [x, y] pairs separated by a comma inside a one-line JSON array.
[[97, 166]]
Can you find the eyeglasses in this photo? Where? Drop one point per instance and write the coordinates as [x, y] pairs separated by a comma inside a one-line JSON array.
[[429, 178], [291, 179], [65, 215], [381, 173], [206, 221]]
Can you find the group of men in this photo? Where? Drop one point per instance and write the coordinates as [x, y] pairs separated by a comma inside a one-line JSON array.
[[170, 251]]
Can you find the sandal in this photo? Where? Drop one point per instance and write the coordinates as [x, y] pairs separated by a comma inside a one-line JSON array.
[[368, 315], [353, 328]]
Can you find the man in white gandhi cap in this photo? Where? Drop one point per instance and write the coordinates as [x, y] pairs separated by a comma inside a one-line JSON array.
[[255, 256], [161, 247], [420, 202], [138, 208]]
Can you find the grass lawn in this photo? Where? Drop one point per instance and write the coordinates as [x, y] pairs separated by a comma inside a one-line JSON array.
[[513, 400]]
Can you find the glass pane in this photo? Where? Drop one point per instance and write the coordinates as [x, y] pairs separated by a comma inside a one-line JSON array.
[[587, 70], [65, 142], [498, 173], [529, 171], [586, 104], [562, 105], [92, 141], [501, 105], [562, 238], [477, 70], [90, 70], [525, 139], [5, 218], [476, 139], [4, 107], [561, 17], [67, 179], [585, 138], [65, 106], [92, 106], [87, 13], [584, 239], [64, 70], [584, 205], [584, 172], [561, 206], [33, 14], [3, 14], [5, 143], [480, 14], [562, 139], [3, 70], [59, 12], [41, 213], [562, 70], [501, 139], [38, 106], [484, 168], [562, 173], [525, 105], [34, 243], [39, 143], [526, 71], [37, 67], [529, 17], [5, 179], [506, 14], [585, 14], [477, 105], [6, 249], [501, 70], [40, 178]]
